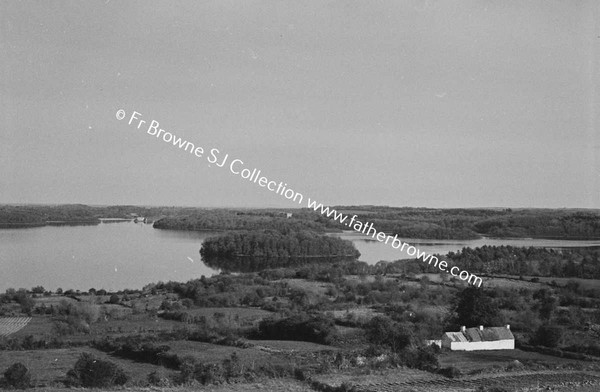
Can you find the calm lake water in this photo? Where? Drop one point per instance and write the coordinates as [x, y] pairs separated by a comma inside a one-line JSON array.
[[127, 255], [373, 251], [109, 255]]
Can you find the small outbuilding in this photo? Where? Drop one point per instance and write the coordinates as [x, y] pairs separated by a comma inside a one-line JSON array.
[[471, 339]]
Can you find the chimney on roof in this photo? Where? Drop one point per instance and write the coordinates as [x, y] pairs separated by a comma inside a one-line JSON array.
[[463, 328], [481, 327], [507, 326]]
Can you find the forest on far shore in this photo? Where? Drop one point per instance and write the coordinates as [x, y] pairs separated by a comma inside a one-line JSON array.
[[406, 222]]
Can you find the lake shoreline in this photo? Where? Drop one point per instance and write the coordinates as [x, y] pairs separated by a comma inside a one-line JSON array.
[[116, 256]]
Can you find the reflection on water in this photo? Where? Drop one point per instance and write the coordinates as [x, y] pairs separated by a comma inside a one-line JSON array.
[[109, 256]]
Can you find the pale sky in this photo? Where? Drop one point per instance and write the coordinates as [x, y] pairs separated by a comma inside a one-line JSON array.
[[412, 103]]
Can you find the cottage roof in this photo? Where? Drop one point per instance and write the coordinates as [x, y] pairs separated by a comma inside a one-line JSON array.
[[456, 336], [489, 334]]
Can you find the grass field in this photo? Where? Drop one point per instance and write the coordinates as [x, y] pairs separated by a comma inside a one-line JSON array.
[[268, 385], [43, 327], [476, 361], [244, 316], [212, 353], [38, 326], [526, 383], [48, 366], [361, 312], [515, 284], [514, 281], [292, 346], [410, 380], [319, 288], [150, 302], [136, 323], [263, 353], [378, 380], [54, 300]]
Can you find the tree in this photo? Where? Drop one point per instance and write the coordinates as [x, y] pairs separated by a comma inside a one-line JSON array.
[[383, 331], [38, 290], [475, 308], [547, 303], [26, 302], [302, 327], [93, 372], [548, 335], [18, 376], [114, 299]]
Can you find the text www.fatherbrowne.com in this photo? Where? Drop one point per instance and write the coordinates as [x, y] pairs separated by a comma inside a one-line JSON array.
[[236, 166]]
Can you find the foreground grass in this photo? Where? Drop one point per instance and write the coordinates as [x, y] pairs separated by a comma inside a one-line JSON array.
[[278, 385], [484, 361], [49, 366]]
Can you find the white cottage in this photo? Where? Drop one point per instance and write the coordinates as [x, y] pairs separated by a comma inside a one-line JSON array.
[[471, 339]]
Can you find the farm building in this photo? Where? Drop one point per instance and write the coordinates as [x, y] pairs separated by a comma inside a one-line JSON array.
[[471, 339]]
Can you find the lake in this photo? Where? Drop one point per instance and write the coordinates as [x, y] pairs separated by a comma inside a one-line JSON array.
[[109, 255], [373, 251], [115, 256]]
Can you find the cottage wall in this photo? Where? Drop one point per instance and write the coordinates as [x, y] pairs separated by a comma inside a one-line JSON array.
[[446, 343], [508, 344]]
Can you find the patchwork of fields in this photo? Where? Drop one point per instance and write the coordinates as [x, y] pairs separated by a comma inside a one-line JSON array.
[[11, 325]]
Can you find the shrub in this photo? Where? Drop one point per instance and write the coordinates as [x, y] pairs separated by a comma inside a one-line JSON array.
[[492, 388], [381, 330], [18, 376], [114, 299], [548, 335], [233, 368], [191, 370], [450, 372], [317, 329], [87, 312], [159, 378], [423, 358], [92, 372], [138, 348], [69, 325]]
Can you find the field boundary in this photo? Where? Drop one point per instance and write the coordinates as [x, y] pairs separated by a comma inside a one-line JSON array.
[[11, 325]]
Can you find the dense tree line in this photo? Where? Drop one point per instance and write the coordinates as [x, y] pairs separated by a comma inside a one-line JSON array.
[[407, 222], [256, 264], [473, 223], [38, 215], [222, 219], [551, 224], [509, 260], [303, 327], [276, 244]]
